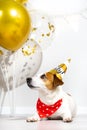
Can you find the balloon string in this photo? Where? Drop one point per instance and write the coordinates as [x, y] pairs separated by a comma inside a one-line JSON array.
[[2, 98], [4, 70], [13, 85], [5, 76]]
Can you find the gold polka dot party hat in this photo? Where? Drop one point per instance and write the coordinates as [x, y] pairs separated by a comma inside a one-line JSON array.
[[60, 70]]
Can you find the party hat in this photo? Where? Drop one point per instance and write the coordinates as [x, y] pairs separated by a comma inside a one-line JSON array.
[[60, 70]]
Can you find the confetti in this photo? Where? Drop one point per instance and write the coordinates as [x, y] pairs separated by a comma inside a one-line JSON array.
[[48, 34], [27, 40], [51, 27], [43, 35], [1, 52], [43, 29], [43, 17], [27, 50], [34, 29], [32, 39]]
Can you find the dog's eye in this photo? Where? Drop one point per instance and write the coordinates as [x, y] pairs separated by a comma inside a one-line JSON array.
[[43, 76]]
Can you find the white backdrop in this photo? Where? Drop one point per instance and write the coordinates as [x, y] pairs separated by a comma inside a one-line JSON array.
[[69, 42]]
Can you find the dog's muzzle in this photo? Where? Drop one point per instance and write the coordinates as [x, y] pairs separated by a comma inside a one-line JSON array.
[[29, 80]]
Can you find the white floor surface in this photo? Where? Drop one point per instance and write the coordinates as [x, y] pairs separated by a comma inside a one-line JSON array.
[[19, 123]]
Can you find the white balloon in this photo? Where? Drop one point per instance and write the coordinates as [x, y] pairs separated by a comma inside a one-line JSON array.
[[21, 64], [4, 51], [43, 29]]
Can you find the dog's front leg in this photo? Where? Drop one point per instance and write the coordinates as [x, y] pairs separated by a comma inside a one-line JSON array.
[[67, 116], [33, 118]]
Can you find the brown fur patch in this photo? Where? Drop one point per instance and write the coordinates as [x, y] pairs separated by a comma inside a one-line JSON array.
[[51, 81], [49, 76], [57, 82]]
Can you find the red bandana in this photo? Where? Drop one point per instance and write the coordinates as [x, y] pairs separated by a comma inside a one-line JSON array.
[[47, 110]]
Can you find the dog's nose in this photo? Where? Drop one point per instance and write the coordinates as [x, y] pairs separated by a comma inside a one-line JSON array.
[[29, 80]]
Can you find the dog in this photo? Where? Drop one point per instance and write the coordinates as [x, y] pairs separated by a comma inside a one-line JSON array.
[[53, 102]]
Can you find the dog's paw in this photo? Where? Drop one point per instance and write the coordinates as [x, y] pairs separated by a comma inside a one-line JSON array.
[[67, 119], [33, 119]]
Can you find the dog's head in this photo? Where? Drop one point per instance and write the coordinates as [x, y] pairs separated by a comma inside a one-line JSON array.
[[47, 80]]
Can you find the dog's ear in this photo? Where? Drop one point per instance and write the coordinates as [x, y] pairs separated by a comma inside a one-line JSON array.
[[49, 76], [57, 82]]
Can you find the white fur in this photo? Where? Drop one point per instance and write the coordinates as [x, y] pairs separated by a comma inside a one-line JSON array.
[[68, 108]]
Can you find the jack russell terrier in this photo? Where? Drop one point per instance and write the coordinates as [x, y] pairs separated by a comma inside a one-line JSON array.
[[53, 102]]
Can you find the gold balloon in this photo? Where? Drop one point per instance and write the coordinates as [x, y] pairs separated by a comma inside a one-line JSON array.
[[15, 25], [21, 1]]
